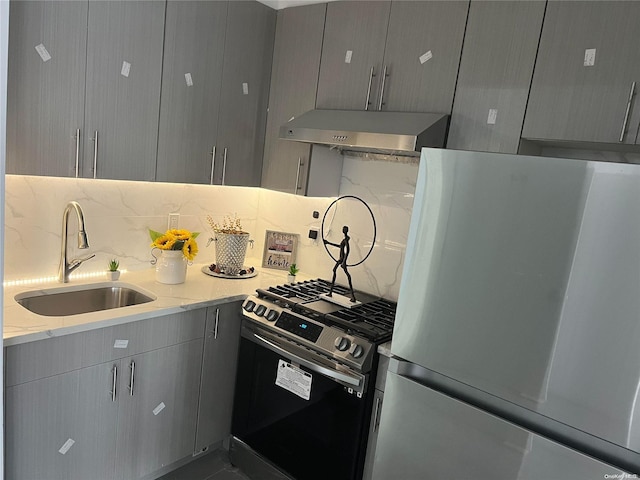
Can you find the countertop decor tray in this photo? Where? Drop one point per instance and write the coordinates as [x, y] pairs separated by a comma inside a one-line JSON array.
[[251, 272]]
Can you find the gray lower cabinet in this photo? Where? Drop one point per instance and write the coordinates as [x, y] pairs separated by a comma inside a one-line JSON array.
[[245, 94], [217, 382], [498, 56], [191, 81], [378, 397], [354, 40], [422, 55], [584, 74], [47, 45], [294, 82], [124, 71]]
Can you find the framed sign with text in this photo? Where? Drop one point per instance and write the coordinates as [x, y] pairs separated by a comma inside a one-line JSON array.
[[280, 250]]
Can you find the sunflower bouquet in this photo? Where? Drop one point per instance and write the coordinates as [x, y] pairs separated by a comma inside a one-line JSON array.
[[176, 239]]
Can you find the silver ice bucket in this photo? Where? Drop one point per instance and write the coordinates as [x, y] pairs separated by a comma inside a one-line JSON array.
[[231, 249]]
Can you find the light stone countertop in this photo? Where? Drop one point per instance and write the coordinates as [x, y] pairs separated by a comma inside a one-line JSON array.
[[198, 291]]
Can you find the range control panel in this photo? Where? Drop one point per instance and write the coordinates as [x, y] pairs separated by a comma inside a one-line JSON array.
[[326, 339]]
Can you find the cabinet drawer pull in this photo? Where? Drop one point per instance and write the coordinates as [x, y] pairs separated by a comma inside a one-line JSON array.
[[371, 75], [298, 187], [383, 80], [213, 164], [376, 414], [95, 154], [114, 383], [224, 165], [215, 327], [77, 168], [626, 113], [132, 366]]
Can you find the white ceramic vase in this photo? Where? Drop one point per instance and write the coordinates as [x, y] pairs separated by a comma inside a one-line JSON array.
[[113, 275], [291, 278], [171, 267]]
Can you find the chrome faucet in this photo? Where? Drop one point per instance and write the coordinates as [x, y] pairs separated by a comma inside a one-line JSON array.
[[67, 267]]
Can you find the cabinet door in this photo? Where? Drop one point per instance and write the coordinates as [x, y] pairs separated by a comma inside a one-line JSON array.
[[422, 56], [191, 80], [45, 98], [217, 383], [572, 101], [158, 406], [354, 39], [245, 93], [124, 70], [62, 427], [294, 82], [499, 52], [378, 397]]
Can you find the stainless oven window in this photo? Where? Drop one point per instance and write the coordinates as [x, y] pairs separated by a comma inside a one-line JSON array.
[[323, 437]]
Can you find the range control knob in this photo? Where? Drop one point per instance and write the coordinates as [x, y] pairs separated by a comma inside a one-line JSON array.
[[249, 306], [271, 315], [342, 343], [356, 350], [260, 309]]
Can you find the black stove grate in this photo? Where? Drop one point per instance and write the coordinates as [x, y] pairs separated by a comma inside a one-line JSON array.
[[374, 320]]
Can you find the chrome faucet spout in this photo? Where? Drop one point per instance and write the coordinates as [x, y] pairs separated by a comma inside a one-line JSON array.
[[67, 267]]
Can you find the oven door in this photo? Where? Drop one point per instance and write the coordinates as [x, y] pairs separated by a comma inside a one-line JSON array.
[[321, 437]]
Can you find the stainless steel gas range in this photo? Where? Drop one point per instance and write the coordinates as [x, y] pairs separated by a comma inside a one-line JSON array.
[[304, 390]]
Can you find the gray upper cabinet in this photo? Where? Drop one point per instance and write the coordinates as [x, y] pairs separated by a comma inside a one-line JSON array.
[[499, 52], [354, 41], [191, 82], [124, 70], [422, 56], [294, 82], [47, 45], [245, 93], [584, 74]]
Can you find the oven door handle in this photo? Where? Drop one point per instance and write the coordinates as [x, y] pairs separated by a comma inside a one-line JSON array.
[[327, 372]]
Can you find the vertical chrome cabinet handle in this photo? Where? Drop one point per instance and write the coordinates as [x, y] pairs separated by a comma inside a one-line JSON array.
[[215, 327], [383, 80], [95, 154], [224, 164], [77, 152], [132, 366], [376, 414], [298, 187], [371, 75], [115, 382], [626, 113], [213, 164]]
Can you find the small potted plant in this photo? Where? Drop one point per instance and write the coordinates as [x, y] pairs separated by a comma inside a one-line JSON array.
[[293, 270], [113, 273]]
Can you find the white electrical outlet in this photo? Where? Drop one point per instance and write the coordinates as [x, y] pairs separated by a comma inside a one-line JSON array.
[[174, 220]]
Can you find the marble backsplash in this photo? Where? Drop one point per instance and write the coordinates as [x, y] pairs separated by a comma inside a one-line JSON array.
[[119, 213]]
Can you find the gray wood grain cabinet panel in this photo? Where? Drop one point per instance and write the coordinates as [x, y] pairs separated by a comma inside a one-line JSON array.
[[39, 90], [217, 383], [62, 427], [422, 55], [294, 82], [498, 56], [354, 41], [158, 407], [194, 47], [245, 93], [571, 101], [124, 71]]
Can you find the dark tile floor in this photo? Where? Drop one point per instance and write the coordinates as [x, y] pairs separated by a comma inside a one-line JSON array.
[[212, 466]]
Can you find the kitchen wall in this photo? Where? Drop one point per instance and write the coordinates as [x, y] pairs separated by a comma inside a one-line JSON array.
[[118, 214]]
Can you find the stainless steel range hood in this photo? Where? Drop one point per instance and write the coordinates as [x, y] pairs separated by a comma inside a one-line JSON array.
[[394, 133]]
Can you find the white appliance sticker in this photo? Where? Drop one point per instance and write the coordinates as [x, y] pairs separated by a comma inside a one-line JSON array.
[[589, 57], [493, 115], [188, 79], [44, 55], [347, 56], [159, 408], [293, 379], [245, 88], [126, 68], [67, 445], [425, 57], [121, 344]]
